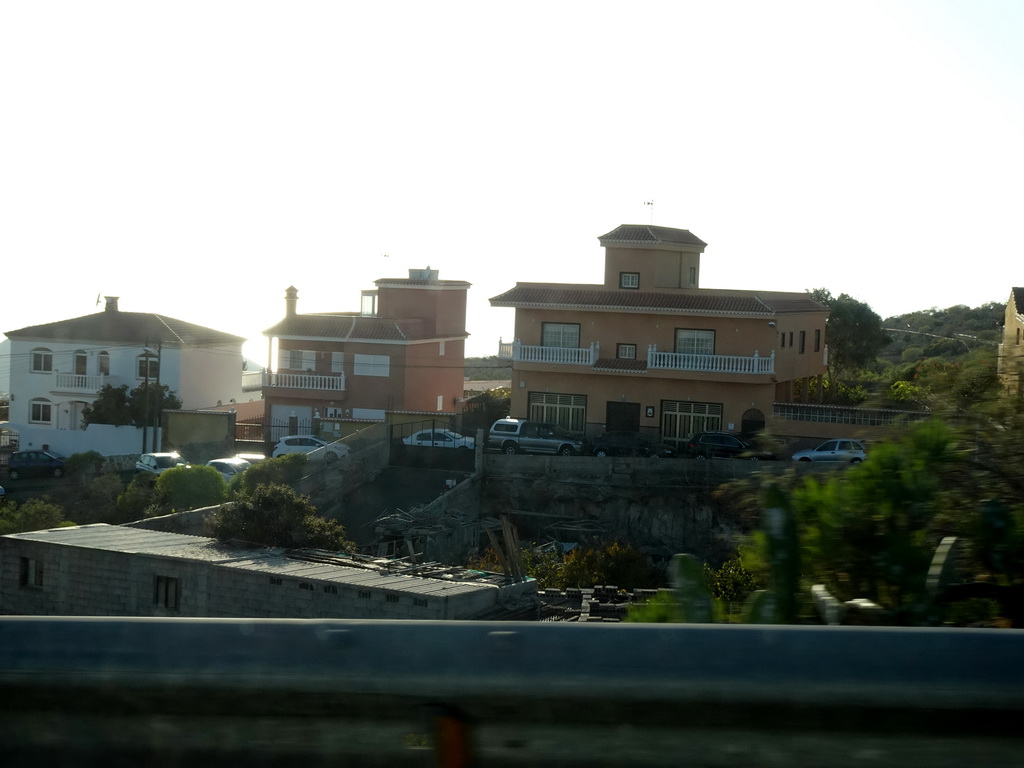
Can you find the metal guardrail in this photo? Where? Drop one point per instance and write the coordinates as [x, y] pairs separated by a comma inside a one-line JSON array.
[[87, 692]]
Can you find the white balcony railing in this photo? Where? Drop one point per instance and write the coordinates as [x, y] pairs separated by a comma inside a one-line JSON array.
[[676, 361], [74, 382], [268, 380], [526, 353]]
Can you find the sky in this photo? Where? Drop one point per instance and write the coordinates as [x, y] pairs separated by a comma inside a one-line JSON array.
[[197, 158]]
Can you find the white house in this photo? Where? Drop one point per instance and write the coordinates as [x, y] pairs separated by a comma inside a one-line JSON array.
[[58, 368]]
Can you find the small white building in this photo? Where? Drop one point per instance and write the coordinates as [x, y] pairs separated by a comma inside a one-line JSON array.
[[58, 368]]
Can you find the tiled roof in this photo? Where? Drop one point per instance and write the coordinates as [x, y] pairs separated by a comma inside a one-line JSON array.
[[697, 301], [133, 328], [1018, 300], [616, 365], [350, 327], [626, 234]]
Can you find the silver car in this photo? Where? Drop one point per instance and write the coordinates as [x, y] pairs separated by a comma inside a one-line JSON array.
[[842, 450]]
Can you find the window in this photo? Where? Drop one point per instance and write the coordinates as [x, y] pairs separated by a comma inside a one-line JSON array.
[[81, 363], [31, 572], [791, 338], [626, 351], [337, 362], [565, 335], [629, 279], [371, 365], [568, 411], [42, 361], [368, 306], [803, 341], [689, 342], [817, 339], [693, 275], [40, 412], [166, 593], [298, 359], [782, 336], [104, 363], [681, 419], [149, 367]]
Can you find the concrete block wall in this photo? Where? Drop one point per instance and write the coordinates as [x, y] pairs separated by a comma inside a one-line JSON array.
[[80, 581]]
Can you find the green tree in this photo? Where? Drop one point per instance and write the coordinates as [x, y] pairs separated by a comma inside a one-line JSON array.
[[33, 515], [109, 407], [182, 488], [284, 470], [853, 334], [277, 516], [118, 406]]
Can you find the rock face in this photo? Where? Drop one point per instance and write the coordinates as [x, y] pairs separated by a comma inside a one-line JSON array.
[[661, 520]]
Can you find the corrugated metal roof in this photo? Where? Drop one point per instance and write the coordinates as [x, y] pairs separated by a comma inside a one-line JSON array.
[[312, 565]]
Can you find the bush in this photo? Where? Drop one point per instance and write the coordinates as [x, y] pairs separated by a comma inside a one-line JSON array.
[[285, 470], [277, 516], [182, 488]]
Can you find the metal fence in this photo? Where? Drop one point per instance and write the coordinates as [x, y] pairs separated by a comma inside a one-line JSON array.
[[101, 692]]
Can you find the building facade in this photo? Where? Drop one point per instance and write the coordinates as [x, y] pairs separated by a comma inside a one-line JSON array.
[[403, 351], [650, 350], [1011, 350], [58, 368]]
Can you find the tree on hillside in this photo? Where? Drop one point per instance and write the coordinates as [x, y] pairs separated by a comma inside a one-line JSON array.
[[853, 334], [277, 516], [33, 515]]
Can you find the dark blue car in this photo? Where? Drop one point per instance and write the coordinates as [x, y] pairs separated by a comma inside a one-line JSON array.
[[26, 463]]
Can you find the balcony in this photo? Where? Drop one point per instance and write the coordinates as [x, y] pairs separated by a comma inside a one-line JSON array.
[[80, 384], [524, 353], [676, 361], [312, 381]]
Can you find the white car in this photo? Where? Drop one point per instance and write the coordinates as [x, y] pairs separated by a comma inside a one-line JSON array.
[[310, 445], [229, 468], [439, 438], [844, 450], [158, 463]]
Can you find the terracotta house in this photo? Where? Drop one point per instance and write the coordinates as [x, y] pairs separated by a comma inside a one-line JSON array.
[[403, 351], [650, 350]]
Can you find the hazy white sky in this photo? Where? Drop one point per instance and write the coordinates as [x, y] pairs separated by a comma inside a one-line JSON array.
[[197, 158]]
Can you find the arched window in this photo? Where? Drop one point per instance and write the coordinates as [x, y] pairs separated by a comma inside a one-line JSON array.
[[40, 411], [104, 363], [81, 363], [42, 360]]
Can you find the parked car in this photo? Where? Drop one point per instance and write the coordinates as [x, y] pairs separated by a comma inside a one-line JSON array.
[[522, 436], [843, 449], [38, 463], [3, 494], [229, 467], [158, 463], [439, 438], [317, 449], [724, 445], [618, 443]]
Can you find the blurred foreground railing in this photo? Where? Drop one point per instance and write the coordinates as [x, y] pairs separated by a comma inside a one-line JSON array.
[[92, 692]]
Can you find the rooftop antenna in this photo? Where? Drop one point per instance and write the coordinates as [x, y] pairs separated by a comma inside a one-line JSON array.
[[650, 203]]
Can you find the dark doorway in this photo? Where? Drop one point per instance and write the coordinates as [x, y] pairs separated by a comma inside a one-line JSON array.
[[622, 417], [753, 422]]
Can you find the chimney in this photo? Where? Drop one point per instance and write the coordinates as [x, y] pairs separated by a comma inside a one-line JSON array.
[[291, 298], [111, 303]]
